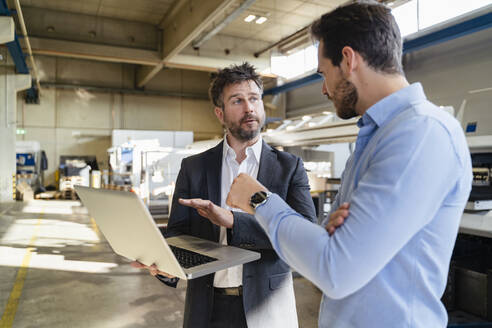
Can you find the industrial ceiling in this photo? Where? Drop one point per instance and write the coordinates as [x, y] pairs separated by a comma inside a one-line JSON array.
[[153, 34]]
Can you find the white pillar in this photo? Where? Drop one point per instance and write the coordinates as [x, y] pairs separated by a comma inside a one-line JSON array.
[[10, 84], [7, 29]]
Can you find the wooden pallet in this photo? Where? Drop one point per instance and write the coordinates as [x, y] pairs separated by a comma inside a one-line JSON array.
[[69, 194]]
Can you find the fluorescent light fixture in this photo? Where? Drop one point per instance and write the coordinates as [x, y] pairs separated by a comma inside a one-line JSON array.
[[20, 131], [306, 118], [311, 124], [250, 18], [261, 20]]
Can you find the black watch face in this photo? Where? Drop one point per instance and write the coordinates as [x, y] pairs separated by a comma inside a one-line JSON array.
[[258, 197]]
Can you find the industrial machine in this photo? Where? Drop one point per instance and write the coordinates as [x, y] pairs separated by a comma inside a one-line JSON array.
[[149, 167], [31, 162], [481, 194], [75, 170]]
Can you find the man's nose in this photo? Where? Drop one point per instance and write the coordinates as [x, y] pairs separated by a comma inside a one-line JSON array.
[[324, 90], [250, 107]]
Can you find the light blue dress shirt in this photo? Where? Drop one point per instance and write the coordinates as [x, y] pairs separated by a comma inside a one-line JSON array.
[[407, 183]]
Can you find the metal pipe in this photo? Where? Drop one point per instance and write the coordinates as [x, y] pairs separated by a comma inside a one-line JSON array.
[[296, 34], [66, 86], [238, 11], [28, 44]]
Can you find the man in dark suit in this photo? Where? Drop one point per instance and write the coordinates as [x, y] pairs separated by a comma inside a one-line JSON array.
[[257, 294]]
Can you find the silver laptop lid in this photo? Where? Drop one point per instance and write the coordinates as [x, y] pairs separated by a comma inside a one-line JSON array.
[[129, 228]]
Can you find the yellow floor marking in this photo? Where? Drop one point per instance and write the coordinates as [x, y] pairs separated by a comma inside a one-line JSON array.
[[13, 302]]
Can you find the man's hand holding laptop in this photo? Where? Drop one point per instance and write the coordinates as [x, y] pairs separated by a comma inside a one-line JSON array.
[[152, 269]]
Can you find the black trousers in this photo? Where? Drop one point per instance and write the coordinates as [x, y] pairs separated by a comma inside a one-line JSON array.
[[228, 312]]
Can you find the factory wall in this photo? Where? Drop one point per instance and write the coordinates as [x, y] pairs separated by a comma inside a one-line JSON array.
[[448, 71], [80, 121]]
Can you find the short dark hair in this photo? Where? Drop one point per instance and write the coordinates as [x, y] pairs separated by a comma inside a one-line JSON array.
[[232, 75], [367, 27]]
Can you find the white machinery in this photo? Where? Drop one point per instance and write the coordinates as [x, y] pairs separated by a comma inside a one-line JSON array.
[[477, 123], [146, 166]]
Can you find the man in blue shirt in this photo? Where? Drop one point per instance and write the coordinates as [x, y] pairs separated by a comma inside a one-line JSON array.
[[407, 183]]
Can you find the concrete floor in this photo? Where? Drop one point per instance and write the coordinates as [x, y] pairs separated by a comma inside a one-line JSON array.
[[57, 270]]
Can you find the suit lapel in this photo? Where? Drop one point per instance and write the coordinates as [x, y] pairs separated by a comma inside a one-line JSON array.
[[268, 162], [214, 178]]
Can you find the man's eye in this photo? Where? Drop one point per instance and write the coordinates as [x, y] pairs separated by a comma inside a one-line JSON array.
[[253, 99], [236, 101]]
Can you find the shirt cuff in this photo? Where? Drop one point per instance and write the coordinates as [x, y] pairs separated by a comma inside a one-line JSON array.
[[268, 213]]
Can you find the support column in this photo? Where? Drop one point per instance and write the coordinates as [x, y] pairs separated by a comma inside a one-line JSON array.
[[10, 84], [7, 29]]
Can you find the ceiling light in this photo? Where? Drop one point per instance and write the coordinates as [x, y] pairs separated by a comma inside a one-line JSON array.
[[261, 20], [306, 118], [250, 18]]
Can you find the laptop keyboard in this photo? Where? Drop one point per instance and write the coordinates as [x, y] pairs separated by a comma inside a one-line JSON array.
[[188, 259]]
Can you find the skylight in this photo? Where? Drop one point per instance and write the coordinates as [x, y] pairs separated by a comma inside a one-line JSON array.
[[411, 16]]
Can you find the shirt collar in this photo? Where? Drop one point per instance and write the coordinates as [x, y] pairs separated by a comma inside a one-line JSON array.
[[390, 106], [254, 150]]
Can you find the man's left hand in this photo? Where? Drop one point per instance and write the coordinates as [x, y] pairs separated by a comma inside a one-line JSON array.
[[216, 214], [242, 188]]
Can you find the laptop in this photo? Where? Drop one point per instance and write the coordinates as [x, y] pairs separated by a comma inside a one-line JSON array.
[[131, 231]]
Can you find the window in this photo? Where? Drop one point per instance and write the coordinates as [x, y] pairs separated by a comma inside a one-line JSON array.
[[411, 16], [295, 64], [406, 18], [415, 15], [432, 12]]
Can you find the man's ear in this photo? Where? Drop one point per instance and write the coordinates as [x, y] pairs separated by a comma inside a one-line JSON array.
[[220, 114], [350, 61]]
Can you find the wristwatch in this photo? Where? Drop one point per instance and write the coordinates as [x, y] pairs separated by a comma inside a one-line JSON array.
[[259, 198]]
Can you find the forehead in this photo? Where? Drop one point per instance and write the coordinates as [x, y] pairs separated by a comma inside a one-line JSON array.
[[321, 57], [323, 62], [241, 88]]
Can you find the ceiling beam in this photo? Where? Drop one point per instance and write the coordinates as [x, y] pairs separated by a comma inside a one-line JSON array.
[[169, 16], [210, 64], [84, 50], [189, 21], [116, 54]]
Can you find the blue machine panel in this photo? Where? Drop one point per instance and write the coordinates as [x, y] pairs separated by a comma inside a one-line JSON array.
[[471, 127], [25, 159]]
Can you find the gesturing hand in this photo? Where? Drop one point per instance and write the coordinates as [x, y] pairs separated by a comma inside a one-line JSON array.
[[209, 210]]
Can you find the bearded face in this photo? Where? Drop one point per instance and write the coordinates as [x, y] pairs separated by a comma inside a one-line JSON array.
[[345, 98], [242, 114], [246, 128]]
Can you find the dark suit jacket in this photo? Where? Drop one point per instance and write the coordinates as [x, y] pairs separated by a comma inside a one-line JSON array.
[[267, 283]]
